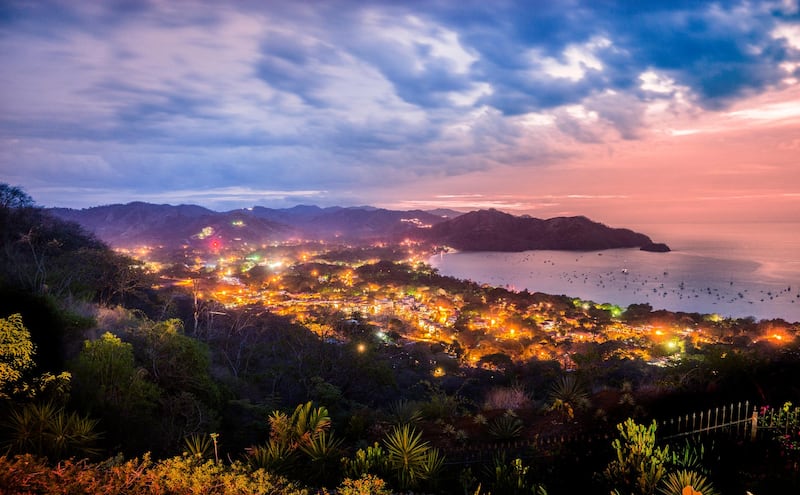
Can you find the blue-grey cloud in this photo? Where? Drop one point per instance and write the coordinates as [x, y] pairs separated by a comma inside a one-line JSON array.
[[317, 96]]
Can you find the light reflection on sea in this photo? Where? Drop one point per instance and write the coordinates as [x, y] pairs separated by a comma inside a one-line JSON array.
[[707, 272]]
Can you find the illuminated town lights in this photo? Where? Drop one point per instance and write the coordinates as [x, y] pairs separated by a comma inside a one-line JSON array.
[[438, 372], [361, 348], [781, 338]]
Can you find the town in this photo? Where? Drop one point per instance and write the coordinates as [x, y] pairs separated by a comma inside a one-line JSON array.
[[389, 294]]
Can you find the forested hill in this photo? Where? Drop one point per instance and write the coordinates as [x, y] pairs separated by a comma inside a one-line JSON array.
[[493, 230], [485, 230]]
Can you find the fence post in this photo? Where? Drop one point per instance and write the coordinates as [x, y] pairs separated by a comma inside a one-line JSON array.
[[754, 425]]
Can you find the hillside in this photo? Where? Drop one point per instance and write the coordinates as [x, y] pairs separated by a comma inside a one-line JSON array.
[[485, 230], [493, 230], [140, 223]]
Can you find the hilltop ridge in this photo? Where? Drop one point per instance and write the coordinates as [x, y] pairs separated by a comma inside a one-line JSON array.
[[125, 225]]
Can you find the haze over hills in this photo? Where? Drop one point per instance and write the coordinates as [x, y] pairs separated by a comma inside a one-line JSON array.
[[140, 223]]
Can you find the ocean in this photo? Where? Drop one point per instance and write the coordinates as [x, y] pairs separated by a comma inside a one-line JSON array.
[[734, 270]]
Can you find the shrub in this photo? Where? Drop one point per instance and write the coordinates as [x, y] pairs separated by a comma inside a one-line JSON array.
[[186, 474], [373, 460], [366, 485], [513, 398], [639, 465]]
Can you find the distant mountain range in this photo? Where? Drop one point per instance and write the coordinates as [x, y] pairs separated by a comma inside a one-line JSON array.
[[138, 223]]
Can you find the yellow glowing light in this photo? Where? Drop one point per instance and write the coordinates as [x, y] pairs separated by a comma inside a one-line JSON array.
[[438, 371], [361, 348]]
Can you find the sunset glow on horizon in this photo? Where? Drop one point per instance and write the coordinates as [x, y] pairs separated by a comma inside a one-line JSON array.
[[625, 112]]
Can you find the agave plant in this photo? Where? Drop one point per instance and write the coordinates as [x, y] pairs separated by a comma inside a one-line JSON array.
[[324, 452], [568, 395], [407, 455], [505, 427], [274, 457], [198, 445], [404, 412], [676, 483], [432, 466], [304, 425], [48, 430]]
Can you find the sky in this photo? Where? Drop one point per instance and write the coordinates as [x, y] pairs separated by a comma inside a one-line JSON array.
[[626, 112]]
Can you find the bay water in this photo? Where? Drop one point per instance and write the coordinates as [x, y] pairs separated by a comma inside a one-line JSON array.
[[734, 270]]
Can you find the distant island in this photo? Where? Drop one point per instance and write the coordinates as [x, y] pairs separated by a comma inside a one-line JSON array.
[[125, 225]]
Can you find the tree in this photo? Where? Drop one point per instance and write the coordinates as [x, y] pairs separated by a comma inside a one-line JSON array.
[[14, 197], [109, 385], [16, 353], [176, 362]]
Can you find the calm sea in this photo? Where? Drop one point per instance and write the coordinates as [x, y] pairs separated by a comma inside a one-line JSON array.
[[735, 270]]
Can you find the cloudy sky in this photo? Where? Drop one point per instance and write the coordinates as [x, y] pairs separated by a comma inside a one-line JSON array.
[[625, 111]]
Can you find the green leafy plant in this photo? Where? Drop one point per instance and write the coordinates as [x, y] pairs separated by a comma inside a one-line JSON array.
[[372, 460], [639, 464], [689, 456], [513, 478], [440, 404]]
